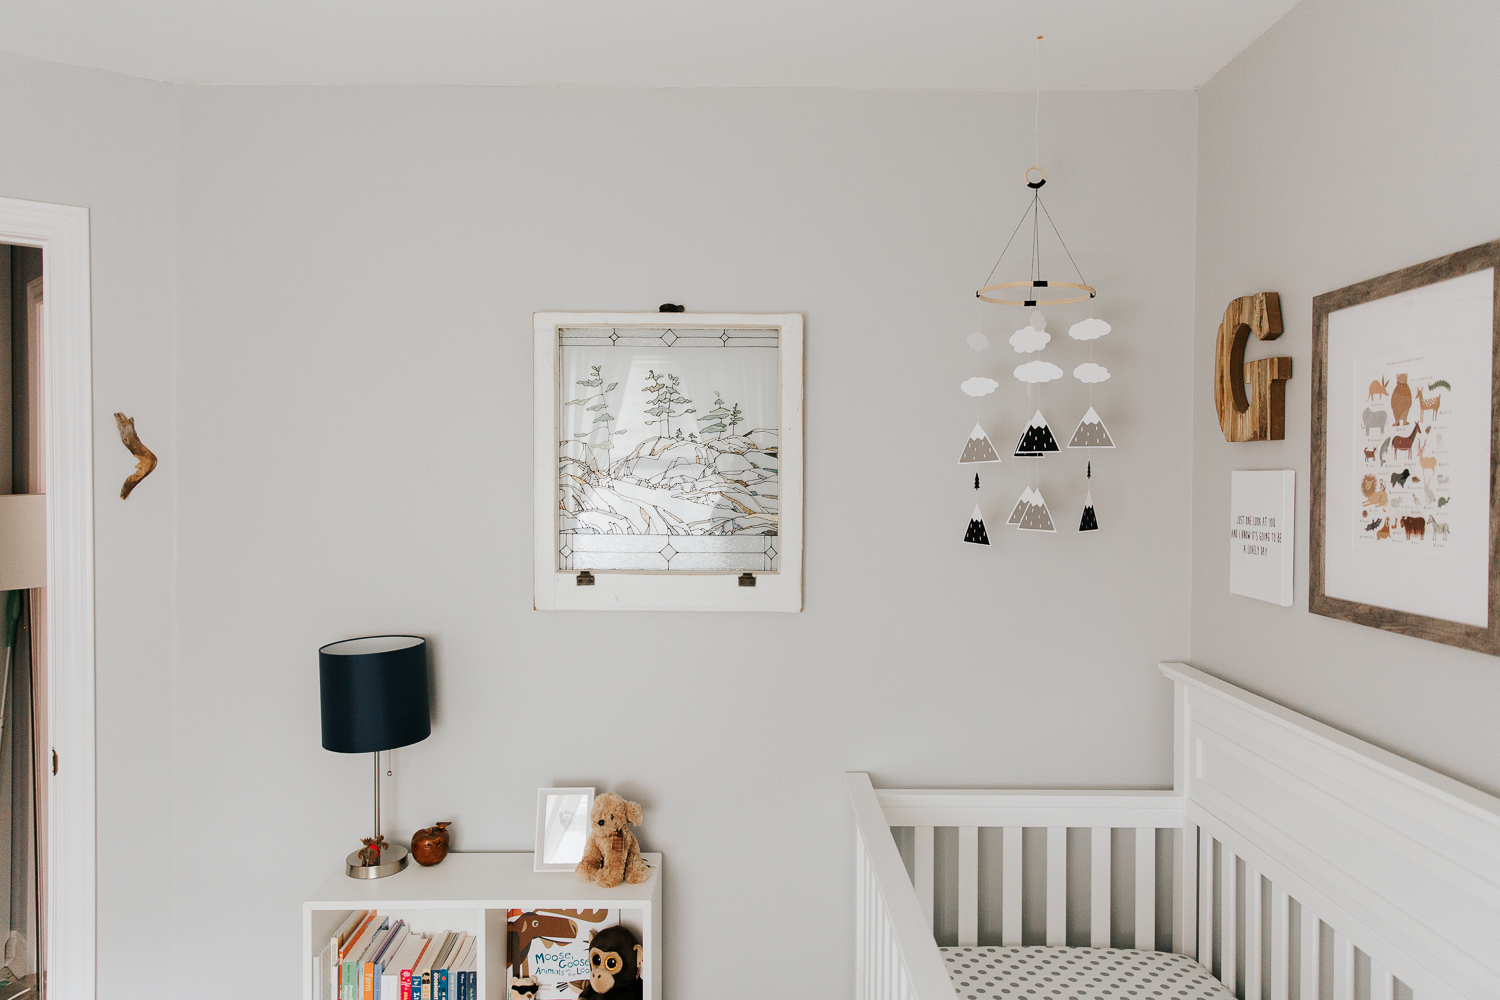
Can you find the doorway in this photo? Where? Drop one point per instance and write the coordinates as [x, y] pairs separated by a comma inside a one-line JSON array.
[[47, 704], [23, 623]]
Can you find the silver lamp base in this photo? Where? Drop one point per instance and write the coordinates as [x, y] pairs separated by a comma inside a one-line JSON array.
[[392, 860]]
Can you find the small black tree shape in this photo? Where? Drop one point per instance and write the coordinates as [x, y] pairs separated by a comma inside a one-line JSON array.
[[665, 393], [598, 404]]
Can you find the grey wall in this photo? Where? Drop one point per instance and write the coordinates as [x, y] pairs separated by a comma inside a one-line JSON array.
[[357, 270], [108, 142], [1354, 138]]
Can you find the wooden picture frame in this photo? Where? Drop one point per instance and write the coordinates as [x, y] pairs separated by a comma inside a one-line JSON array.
[[654, 492], [1371, 562]]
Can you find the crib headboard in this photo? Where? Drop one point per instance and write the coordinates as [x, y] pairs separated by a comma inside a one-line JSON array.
[[1401, 862]]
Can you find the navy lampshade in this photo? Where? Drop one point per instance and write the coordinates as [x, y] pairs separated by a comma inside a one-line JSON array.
[[374, 693]]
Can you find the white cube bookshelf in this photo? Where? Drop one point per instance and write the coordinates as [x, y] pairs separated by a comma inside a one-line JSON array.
[[474, 893]]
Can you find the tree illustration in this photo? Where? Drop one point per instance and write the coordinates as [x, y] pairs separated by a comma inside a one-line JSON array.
[[666, 393], [715, 418], [598, 404], [723, 417]]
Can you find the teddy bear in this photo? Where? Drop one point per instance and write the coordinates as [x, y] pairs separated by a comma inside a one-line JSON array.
[[613, 854]]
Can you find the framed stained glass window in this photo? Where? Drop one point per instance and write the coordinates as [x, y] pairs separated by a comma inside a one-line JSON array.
[[668, 468]]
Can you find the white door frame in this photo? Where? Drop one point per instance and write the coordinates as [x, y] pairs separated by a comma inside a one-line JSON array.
[[62, 231]]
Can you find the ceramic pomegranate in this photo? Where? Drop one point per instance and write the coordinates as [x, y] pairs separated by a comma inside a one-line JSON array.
[[430, 846]]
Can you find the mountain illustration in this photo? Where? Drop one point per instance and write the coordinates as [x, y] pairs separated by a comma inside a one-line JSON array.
[[1037, 439], [976, 532], [978, 448], [1021, 505], [1037, 517], [1091, 433], [1090, 522]]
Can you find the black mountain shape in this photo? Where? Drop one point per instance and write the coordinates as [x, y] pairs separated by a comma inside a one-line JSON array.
[[1089, 522], [976, 532], [1037, 440]]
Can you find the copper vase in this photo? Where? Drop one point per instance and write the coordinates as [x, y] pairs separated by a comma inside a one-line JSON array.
[[430, 846]]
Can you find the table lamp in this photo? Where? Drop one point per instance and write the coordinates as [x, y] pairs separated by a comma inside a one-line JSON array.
[[374, 697]]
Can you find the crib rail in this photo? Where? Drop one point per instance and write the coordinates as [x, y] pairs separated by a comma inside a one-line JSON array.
[[896, 957], [1099, 812]]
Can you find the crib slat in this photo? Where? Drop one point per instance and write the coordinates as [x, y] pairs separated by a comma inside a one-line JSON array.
[[968, 885], [1382, 982], [1281, 923], [1229, 919], [1308, 955], [1185, 891], [1145, 888], [1252, 933], [1099, 890], [924, 864], [1010, 900], [1205, 882], [1057, 886], [1343, 967]]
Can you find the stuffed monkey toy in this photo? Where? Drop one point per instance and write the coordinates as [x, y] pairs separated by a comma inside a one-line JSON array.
[[614, 966], [613, 855]]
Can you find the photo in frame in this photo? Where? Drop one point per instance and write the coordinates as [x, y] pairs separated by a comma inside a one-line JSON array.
[[1403, 517], [562, 828]]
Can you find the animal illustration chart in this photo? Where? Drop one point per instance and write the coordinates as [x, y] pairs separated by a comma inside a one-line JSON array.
[[1406, 483], [669, 460]]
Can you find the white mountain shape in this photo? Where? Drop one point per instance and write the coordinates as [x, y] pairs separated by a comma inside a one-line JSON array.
[[1021, 505], [978, 448], [1091, 433], [1037, 517]]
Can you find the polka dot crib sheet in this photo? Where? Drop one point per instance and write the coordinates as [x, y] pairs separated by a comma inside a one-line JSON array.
[[1079, 974]]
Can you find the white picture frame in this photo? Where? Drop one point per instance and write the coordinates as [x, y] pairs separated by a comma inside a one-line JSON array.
[[562, 826], [557, 587]]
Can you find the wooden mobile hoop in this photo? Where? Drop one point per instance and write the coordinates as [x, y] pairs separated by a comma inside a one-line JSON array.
[[1035, 210]]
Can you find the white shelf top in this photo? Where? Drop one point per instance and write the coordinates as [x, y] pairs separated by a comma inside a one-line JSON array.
[[483, 880]]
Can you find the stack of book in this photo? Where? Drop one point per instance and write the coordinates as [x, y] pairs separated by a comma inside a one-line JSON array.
[[372, 957]]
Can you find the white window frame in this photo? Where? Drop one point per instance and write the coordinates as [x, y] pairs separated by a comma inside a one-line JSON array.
[[68, 876], [558, 590]]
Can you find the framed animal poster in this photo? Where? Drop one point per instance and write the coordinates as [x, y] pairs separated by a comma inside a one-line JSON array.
[[668, 461], [1404, 517]]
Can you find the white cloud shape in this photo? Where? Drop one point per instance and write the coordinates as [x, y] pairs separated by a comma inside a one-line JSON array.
[[980, 386], [1038, 319], [1091, 372], [979, 342], [1089, 329], [1038, 371], [1029, 339]]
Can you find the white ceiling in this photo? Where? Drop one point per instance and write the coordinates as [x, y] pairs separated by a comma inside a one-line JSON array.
[[963, 44]]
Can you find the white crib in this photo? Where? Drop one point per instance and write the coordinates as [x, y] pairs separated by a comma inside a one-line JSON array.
[[1342, 869]]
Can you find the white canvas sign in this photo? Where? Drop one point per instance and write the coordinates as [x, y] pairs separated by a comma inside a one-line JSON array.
[[1262, 534]]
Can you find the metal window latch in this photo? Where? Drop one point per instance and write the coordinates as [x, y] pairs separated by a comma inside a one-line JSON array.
[[54, 762], [747, 579], [585, 579]]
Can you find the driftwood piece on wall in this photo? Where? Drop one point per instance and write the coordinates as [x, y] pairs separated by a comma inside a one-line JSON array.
[[145, 461], [1261, 416]]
